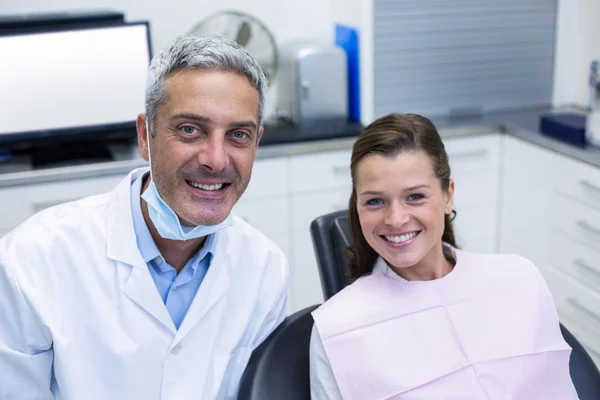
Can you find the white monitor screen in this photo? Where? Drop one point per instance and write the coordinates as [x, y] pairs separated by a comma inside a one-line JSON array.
[[71, 79]]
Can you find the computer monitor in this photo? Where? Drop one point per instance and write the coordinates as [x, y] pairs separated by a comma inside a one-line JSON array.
[[63, 19], [75, 83]]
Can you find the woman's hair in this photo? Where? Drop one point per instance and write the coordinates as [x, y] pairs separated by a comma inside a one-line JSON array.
[[389, 136]]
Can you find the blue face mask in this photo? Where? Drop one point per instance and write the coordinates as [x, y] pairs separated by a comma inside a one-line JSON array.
[[164, 218]]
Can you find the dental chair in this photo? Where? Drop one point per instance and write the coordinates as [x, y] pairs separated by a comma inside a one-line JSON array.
[[331, 234], [279, 368]]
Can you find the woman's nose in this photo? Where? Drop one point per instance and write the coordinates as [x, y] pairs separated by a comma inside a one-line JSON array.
[[396, 216]]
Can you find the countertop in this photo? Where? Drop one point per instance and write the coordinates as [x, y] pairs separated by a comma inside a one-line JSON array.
[[284, 141]]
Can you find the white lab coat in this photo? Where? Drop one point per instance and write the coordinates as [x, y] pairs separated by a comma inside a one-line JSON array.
[[81, 318]]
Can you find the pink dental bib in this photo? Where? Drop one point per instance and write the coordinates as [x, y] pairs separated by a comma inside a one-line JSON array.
[[487, 330]]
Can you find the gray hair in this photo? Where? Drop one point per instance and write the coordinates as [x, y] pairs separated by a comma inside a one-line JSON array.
[[202, 52]]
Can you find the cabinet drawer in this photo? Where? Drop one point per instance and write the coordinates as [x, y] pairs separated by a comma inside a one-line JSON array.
[[577, 180], [283, 241], [473, 224], [475, 188], [305, 208], [314, 172], [578, 221], [575, 303], [473, 153], [269, 216], [21, 202], [269, 178], [305, 281], [575, 259]]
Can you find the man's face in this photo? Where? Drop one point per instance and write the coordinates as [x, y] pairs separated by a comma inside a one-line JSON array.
[[204, 143]]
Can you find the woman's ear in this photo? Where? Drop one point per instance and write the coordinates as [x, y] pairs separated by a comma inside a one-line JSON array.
[[449, 198]]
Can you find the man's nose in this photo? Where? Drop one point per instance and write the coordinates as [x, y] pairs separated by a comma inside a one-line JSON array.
[[213, 154]]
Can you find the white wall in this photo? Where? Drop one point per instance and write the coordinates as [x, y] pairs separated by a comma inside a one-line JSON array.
[[169, 19], [577, 44]]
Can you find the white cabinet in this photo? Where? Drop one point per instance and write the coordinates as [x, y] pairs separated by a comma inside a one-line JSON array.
[[574, 248], [21, 202], [551, 215], [577, 180], [526, 200], [320, 171], [265, 205], [475, 165], [320, 184]]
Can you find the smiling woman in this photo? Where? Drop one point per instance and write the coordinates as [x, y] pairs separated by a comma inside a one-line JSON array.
[[425, 320], [402, 199]]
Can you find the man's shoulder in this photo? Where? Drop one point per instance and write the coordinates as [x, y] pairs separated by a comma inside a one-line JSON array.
[[253, 250], [255, 240]]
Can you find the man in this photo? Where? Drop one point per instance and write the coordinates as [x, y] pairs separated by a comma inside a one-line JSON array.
[[151, 291]]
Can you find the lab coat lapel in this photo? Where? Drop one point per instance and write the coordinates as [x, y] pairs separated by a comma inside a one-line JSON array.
[[122, 247], [213, 288]]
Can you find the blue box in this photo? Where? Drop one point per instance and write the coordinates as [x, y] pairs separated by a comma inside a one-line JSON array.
[[566, 127]]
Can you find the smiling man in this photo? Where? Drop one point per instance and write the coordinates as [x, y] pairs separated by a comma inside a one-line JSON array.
[[154, 290]]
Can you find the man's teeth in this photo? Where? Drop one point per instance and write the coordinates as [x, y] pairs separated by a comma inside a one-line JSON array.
[[401, 238], [206, 187]]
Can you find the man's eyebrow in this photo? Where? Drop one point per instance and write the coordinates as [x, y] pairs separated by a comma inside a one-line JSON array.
[[206, 120], [191, 116], [244, 124]]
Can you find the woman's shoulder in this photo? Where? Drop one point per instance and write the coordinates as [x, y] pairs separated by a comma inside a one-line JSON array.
[[508, 267], [363, 297], [354, 292], [503, 260]]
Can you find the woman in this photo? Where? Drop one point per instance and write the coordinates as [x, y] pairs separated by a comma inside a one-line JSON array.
[[425, 320]]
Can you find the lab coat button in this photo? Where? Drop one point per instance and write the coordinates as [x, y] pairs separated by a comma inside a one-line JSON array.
[[175, 350]]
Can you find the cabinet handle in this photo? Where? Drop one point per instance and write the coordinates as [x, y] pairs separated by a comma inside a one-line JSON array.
[[576, 304], [586, 226], [589, 185], [583, 265], [468, 154]]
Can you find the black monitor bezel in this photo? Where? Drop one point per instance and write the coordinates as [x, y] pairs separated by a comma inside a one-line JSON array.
[[112, 131]]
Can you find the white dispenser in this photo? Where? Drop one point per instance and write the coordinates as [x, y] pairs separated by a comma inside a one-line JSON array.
[[592, 126]]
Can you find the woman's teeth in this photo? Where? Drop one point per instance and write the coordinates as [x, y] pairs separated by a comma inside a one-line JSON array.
[[401, 238], [206, 187]]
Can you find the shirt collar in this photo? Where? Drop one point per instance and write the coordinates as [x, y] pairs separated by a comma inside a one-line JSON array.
[[146, 244]]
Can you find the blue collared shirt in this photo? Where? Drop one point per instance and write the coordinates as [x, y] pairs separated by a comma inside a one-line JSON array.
[[176, 290]]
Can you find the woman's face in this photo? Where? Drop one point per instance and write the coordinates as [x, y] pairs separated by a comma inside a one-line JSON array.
[[401, 208]]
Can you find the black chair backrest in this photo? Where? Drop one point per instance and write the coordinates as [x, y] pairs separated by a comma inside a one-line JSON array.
[[584, 372], [279, 367], [330, 234]]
